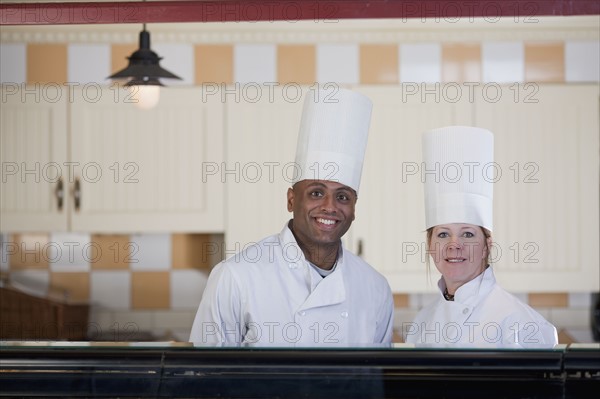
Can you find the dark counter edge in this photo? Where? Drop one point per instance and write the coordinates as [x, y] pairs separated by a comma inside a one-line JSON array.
[[301, 373]]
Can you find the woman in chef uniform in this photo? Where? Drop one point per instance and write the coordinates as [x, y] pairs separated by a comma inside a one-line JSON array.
[[472, 310]]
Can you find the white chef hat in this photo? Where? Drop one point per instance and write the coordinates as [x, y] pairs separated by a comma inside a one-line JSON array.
[[333, 136], [458, 172]]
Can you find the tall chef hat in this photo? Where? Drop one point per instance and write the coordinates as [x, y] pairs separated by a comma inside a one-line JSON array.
[[458, 174], [333, 136]]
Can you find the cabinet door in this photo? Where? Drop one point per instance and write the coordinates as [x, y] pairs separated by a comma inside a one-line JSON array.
[[261, 148], [146, 170], [33, 153], [546, 218], [390, 219]]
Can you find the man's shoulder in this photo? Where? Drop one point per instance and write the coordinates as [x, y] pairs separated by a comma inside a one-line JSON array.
[[252, 252]]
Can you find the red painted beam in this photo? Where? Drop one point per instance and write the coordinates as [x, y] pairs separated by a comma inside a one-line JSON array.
[[292, 10]]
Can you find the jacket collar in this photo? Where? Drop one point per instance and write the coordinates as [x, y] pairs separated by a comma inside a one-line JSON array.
[[469, 293], [331, 290]]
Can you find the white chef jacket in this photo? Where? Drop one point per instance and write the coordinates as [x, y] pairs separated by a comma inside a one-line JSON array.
[[269, 295], [482, 314]]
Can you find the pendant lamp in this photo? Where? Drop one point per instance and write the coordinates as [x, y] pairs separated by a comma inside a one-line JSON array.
[[144, 72]]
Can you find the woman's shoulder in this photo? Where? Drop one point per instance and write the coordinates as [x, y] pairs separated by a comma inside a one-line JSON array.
[[511, 306]]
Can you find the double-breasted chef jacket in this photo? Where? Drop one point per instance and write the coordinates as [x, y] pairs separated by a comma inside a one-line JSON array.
[[482, 314]]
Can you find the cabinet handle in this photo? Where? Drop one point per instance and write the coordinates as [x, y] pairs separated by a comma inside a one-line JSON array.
[[359, 248], [77, 194], [59, 192]]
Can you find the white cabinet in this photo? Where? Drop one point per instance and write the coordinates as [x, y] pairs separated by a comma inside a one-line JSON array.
[[124, 169], [148, 170], [546, 199], [261, 148], [33, 155]]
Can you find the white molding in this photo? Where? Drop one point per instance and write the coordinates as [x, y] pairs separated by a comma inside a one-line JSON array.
[[349, 31]]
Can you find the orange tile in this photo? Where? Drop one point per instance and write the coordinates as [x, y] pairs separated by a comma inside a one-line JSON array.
[[401, 300], [214, 63], [74, 287], [119, 54], [378, 63], [196, 251], [549, 300], [296, 64], [461, 62], [47, 63], [28, 251], [111, 251], [544, 62], [150, 290]]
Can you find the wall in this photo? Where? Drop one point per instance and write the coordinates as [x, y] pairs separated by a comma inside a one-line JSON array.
[[161, 291]]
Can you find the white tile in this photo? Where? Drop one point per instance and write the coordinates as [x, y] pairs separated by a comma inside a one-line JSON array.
[[111, 290], [71, 252], [4, 252], [177, 59], [570, 318], [580, 300], [414, 301], [89, 63], [255, 63], [581, 335], [34, 282], [100, 316], [174, 320], [187, 287], [582, 61], [420, 62], [150, 252], [13, 63], [338, 63], [133, 322], [503, 62]]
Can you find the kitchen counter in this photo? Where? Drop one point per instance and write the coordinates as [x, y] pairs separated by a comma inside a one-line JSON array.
[[178, 369]]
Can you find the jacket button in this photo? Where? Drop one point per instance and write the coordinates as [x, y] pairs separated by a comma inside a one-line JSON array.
[[465, 310], [292, 265], [302, 313], [344, 314]]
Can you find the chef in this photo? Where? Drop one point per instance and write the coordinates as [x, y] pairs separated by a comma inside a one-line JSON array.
[[301, 287], [471, 309]]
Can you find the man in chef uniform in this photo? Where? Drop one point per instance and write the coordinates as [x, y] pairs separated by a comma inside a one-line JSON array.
[[471, 310], [306, 289]]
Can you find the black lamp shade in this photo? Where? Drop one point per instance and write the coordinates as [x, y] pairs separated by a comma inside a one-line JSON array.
[[144, 68]]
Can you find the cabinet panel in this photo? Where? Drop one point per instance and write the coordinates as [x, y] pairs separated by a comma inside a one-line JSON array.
[[546, 199], [33, 153], [147, 170], [261, 148]]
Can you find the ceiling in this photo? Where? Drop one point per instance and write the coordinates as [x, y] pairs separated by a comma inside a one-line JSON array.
[[47, 12]]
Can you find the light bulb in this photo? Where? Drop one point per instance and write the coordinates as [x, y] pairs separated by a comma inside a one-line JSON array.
[[145, 96]]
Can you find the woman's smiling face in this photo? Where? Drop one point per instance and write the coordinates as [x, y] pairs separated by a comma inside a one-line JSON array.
[[459, 252]]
